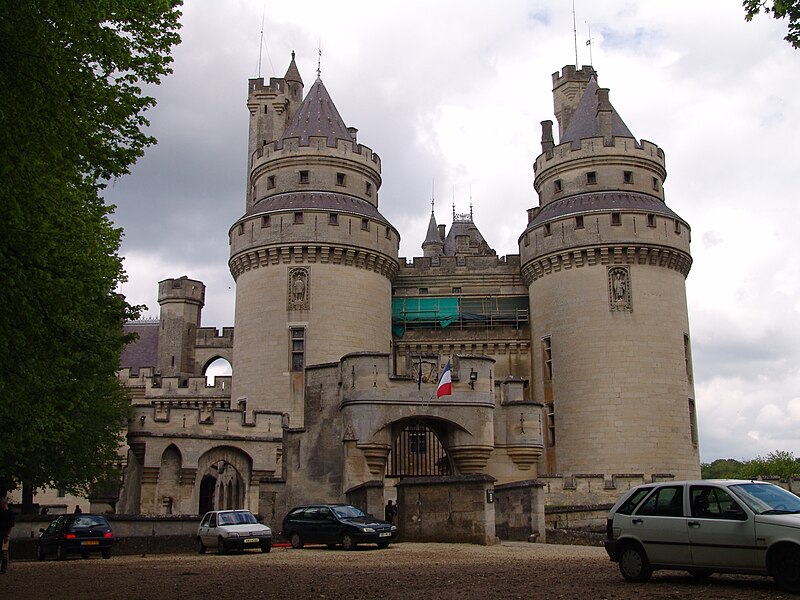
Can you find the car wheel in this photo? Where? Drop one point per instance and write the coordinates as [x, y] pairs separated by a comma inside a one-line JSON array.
[[785, 569], [383, 545], [221, 549], [633, 564], [106, 553], [39, 553], [700, 573], [297, 543], [348, 543], [60, 553], [201, 547], [266, 548]]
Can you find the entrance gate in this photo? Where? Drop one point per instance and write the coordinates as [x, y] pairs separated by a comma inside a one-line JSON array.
[[417, 452]]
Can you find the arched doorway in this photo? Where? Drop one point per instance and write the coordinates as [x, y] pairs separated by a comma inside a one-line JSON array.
[[417, 451], [207, 486]]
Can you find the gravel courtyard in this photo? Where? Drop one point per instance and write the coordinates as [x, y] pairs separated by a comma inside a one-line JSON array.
[[432, 571]]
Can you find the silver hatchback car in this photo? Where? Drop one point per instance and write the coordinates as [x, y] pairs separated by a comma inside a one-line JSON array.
[[232, 530], [707, 526]]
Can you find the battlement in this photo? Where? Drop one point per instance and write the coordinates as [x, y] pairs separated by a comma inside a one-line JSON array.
[[210, 337], [441, 265], [294, 148], [570, 73], [232, 424], [182, 289], [256, 87], [598, 147]]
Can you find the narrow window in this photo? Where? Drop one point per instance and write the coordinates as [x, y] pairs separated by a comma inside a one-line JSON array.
[[687, 356], [616, 218], [368, 188], [547, 356], [340, 179], [551, 423], [423, 291], [677, 226], [456, 290], [693, 421], [298, 218], [241, 228], [303, 176], [627, 176], [655, 183], [591, 177], [527, 241], [388, 233], [651, 220], [557, 186], [547, 229], [365, 224], [333, 219], [270, 182], [265, 110], [579, 222], [298, 349], [265, 221]]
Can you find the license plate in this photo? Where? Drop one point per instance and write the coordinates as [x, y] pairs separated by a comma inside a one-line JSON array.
[[90, 543], [385, 534], [251, 540]]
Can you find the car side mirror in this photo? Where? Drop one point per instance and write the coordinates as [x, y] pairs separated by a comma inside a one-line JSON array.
[[734, 514]]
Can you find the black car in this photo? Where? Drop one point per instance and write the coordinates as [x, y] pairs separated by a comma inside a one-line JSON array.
[[75, 534], [335, 524]]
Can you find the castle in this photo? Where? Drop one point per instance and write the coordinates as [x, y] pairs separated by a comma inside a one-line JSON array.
[[571, 361]]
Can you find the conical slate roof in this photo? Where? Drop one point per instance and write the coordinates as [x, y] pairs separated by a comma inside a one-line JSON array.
[[584, 123], [293, 73], [316, 116], [433, 233]]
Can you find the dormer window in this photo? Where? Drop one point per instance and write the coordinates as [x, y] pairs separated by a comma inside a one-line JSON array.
[[591, 177], [303, 176]]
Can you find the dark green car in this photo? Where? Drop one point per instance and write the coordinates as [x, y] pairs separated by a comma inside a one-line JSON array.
[[335, 525]]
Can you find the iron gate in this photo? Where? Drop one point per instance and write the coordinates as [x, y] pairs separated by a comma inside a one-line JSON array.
[[417, 452]]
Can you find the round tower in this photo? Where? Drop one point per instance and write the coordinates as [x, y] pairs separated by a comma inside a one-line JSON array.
[[606, 260], [181, 301], [312, 257]]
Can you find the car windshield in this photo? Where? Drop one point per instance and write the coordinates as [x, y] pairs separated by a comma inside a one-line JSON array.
[[237, 518], [348, 512], [767, 499]]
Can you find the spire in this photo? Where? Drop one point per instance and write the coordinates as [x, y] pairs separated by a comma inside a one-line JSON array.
[[317, 116], [585, 123], [292, 73]]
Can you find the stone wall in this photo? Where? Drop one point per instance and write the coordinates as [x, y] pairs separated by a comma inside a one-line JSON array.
[[446, 509], [519, 511]]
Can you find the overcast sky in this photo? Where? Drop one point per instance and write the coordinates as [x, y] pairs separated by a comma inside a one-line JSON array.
[[453, 92]]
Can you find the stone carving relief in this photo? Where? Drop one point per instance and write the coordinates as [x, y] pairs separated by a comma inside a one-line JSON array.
[[299, 291], [619, 288]]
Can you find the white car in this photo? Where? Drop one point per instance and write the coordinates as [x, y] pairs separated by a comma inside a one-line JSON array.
[[232, 530], [707, 526]]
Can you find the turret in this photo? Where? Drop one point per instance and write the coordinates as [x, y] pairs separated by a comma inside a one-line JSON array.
[[602, 253], [434, 240], [181, 301], [312, 256]]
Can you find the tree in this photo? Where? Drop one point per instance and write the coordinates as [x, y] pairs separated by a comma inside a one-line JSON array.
[[780, 9], [722, 468], [780, 463], [71, 118]]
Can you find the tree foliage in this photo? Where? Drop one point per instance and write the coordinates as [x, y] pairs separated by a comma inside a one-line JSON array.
[[71, 118], [780, 9], [779, 463]]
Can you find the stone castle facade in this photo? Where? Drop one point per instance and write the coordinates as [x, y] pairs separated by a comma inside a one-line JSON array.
[[571, 361]]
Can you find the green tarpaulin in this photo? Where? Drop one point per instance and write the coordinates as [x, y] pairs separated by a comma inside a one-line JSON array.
[[443, 311]]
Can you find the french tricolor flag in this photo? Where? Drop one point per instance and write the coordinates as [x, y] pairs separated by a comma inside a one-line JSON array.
[[445, 383]]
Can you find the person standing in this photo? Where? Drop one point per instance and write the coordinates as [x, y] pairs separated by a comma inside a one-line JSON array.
[[390, 512], [6, 525]]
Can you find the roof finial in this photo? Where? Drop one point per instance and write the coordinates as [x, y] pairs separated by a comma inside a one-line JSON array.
[[433, 190], [454, 204], [470, 202], [319, 60]]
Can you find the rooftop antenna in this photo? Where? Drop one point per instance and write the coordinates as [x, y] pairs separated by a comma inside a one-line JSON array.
[[454, 204], [470, 202], [589, 43], [319, 60], [261, 39], [575, 34]]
